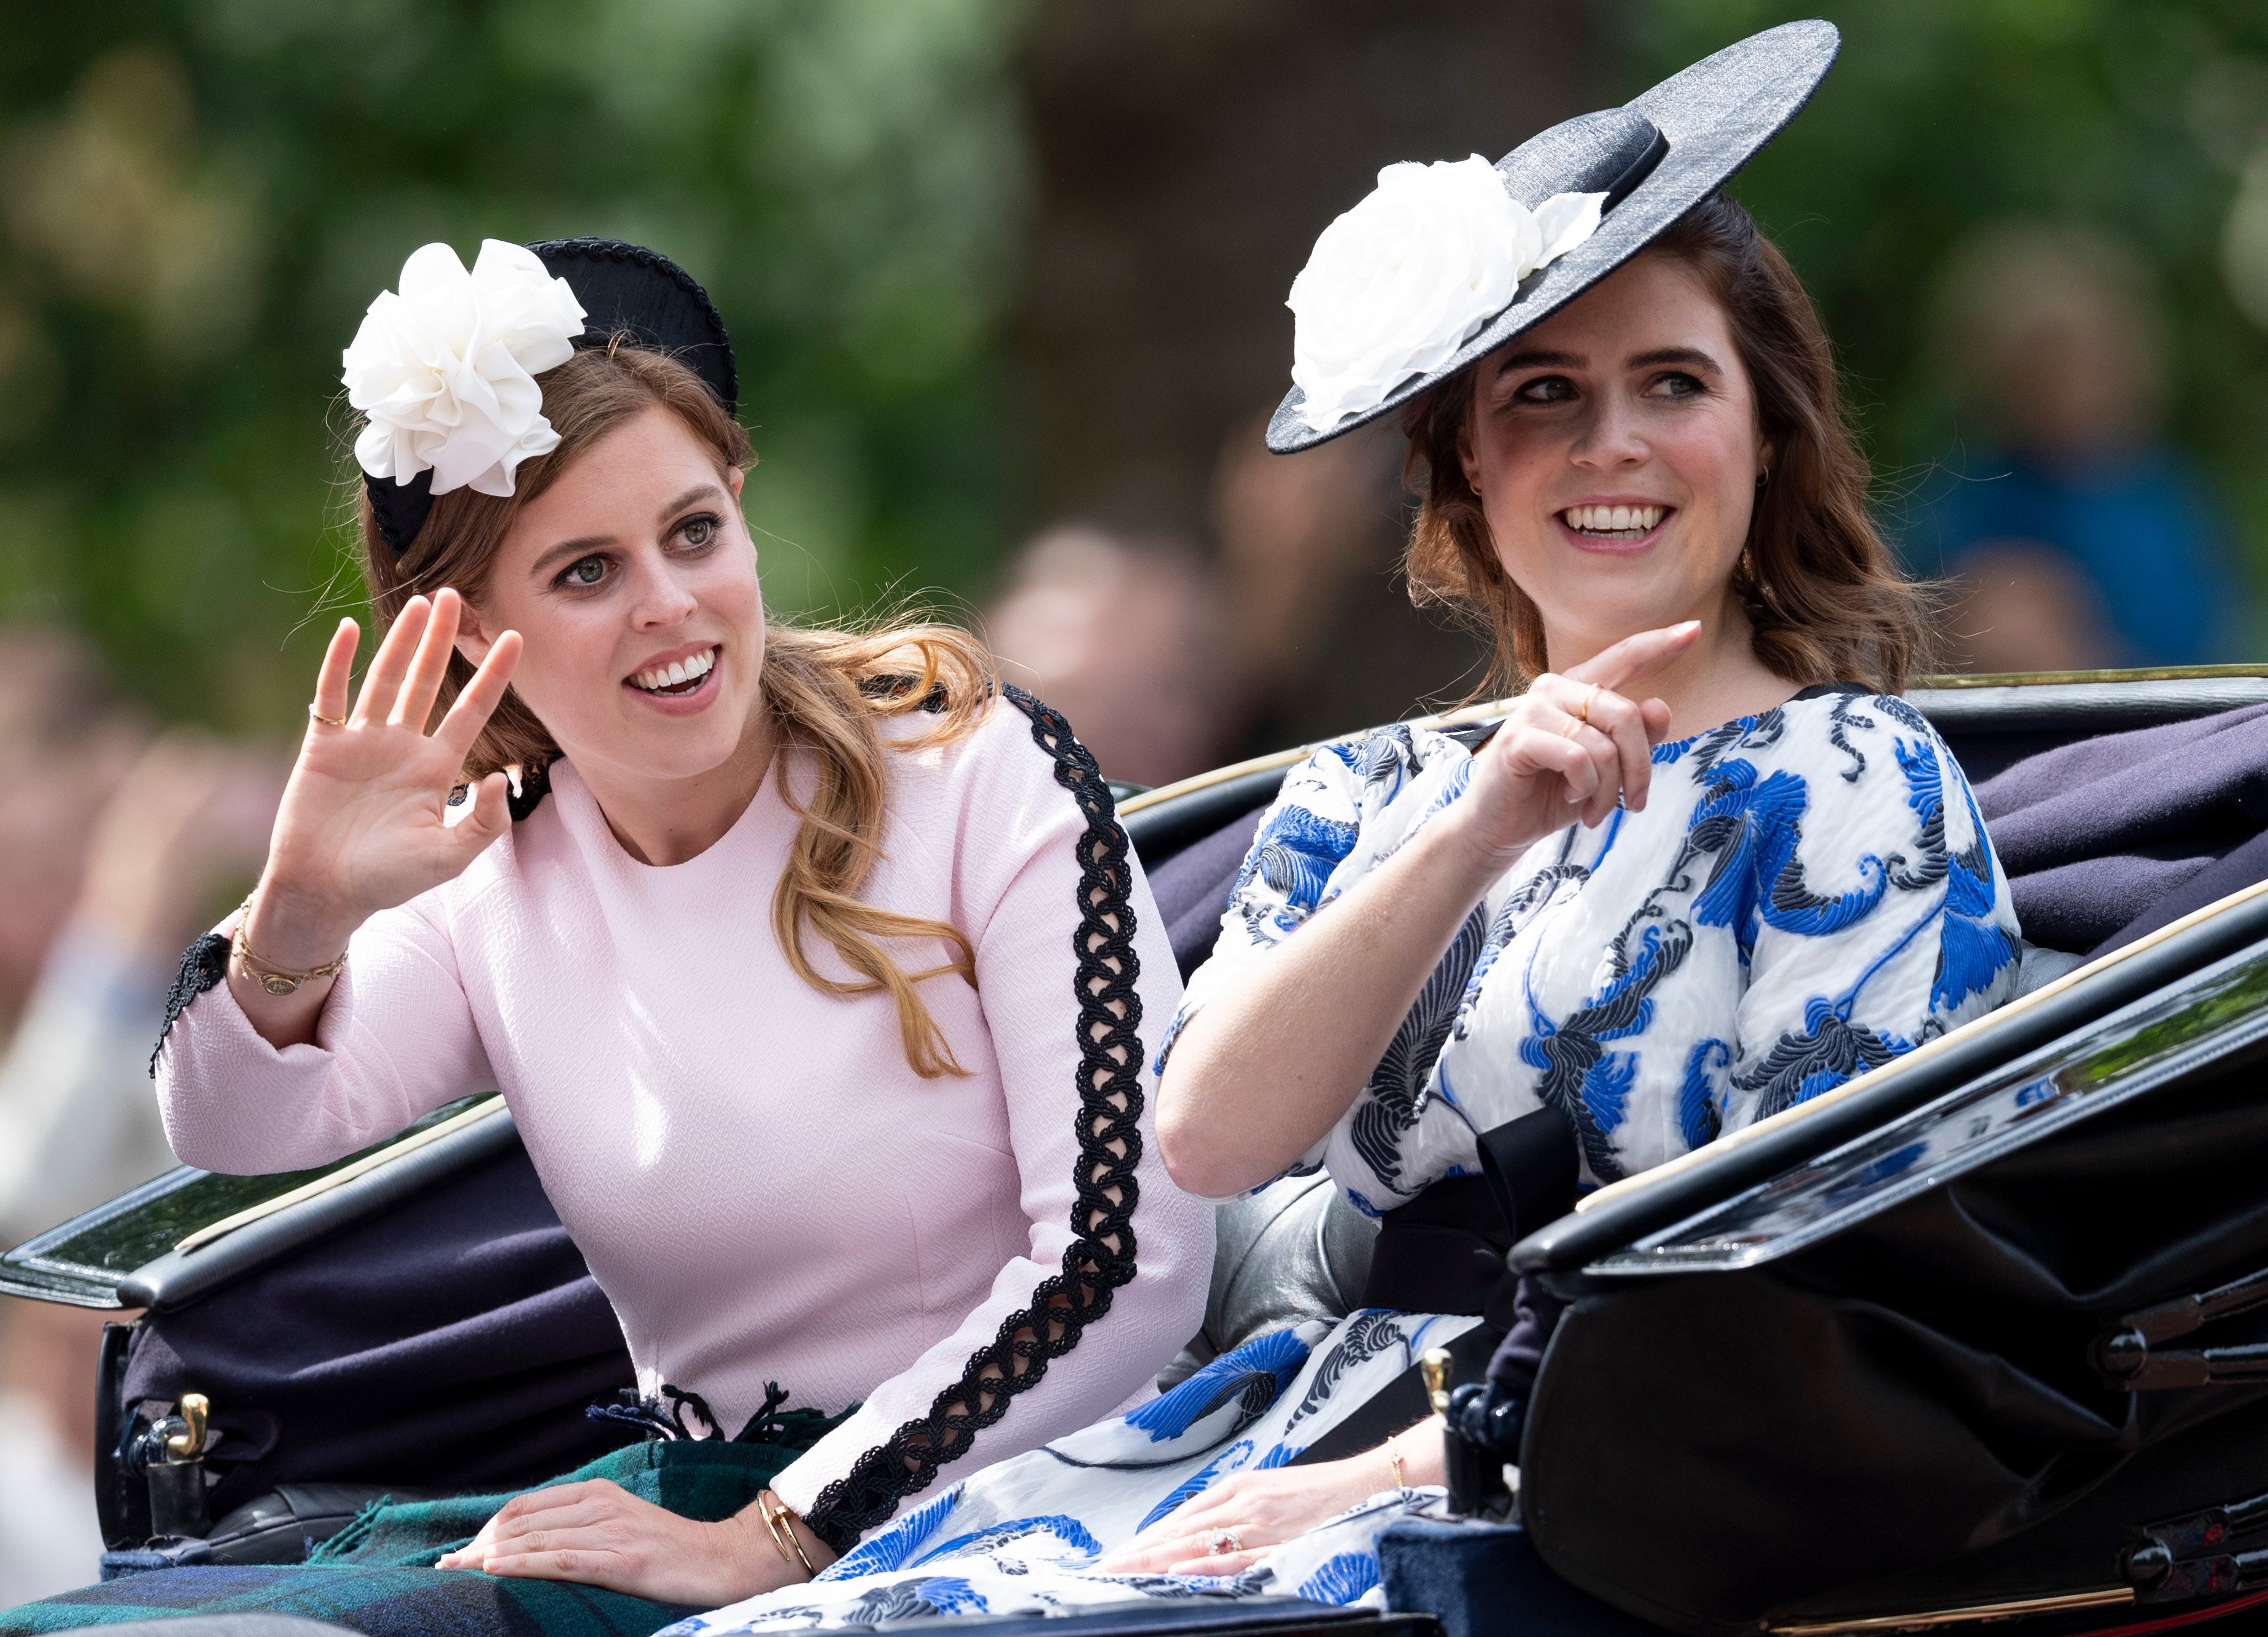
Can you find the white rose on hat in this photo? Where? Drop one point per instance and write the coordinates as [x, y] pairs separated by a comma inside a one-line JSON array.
[[446, 369], [1398, 283]]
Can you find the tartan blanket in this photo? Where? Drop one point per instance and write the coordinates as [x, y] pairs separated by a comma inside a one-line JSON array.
[[376, 1576]]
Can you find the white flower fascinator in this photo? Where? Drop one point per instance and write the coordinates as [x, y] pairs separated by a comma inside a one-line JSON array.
[[445, 369], [1397, 285]]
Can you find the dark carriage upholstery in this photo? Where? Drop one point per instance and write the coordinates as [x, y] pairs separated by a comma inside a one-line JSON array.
[[449, 1346], [2112, 837]]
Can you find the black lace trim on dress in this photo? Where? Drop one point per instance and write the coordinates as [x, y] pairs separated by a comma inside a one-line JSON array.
[[204, 964], [1100, 1255]]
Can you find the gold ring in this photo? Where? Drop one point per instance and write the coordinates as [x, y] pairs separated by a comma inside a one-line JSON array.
[[1584, 715], [1574, 725], [328, 721]]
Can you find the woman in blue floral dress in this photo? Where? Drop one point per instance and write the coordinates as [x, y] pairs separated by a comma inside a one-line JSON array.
[[1710, 865]]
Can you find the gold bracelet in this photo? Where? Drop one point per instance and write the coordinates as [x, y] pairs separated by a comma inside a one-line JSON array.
[[277, 980], [779, 1545], [782, 1533], [1394, 1454]]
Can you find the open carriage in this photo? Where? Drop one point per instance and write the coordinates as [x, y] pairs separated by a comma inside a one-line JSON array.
[[1982, 1336]]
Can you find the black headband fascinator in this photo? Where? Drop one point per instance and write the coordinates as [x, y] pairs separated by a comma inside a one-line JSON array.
[[446, 370]]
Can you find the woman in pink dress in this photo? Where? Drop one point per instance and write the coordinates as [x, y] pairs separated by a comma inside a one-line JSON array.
[[814, 966]]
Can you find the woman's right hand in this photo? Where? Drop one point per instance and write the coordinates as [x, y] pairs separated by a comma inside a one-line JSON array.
[[1570, 743], [364, 823]]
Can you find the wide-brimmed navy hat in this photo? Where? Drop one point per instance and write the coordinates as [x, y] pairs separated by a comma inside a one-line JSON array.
[[1651, 160]]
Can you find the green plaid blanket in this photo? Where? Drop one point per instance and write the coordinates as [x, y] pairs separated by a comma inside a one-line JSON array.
[[376, 1574]]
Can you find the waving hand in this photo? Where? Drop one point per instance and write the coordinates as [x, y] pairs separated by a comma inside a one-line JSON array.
[[365, 822]]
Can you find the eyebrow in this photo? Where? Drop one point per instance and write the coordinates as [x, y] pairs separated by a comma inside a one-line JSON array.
[[1536, 359], [1692, 355], [1533, 358], [583, 544]]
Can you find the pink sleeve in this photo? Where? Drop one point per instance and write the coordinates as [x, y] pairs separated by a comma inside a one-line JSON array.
[[395, 1041], [1119, 1259]]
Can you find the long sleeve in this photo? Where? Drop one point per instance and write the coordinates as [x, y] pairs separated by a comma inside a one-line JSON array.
[[1876, 916], [1339, 813], [1076, 979], [395, 1041]]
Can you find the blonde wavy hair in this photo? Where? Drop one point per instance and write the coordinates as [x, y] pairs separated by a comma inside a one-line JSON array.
[[829, 691]]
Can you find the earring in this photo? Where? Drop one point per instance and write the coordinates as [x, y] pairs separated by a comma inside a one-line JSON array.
[[1763, 477]]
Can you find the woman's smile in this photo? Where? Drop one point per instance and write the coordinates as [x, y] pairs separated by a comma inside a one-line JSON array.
[[1616, 526], [682, 681]]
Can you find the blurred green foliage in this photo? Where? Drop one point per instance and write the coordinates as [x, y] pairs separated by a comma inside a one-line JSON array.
[[2145, 120], [199, 198]]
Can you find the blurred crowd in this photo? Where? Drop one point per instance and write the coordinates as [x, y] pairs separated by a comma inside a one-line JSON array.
[[119, 841], [1289, 624], [2074, 534]]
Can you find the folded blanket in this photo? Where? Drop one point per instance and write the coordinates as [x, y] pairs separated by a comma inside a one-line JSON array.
[[2114, 836]]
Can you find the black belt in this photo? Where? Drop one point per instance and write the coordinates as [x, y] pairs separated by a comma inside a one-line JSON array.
[[1444, 1252]]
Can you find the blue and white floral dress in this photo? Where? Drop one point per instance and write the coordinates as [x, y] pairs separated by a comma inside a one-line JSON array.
[[1808, 893], [1022, 1537]]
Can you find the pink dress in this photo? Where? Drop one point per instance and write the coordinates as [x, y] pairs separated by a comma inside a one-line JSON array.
[[761, 1185]]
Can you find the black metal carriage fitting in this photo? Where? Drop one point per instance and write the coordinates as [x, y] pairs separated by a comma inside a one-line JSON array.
[[2193, 1556], [2124, 1353]]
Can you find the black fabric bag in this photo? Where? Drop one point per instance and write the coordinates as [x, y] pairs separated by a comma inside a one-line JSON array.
[[1908, 1415]]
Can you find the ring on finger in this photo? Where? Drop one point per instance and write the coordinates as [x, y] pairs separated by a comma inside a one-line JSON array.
[[1221, 1542], [328, 721], [1589, 699], [1574, 726]]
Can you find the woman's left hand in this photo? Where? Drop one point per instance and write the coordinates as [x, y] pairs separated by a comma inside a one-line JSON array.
[[600, 1534], [1260, 1509]]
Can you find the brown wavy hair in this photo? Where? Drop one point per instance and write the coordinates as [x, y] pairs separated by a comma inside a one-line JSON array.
[[828, 691], [1823, 594]]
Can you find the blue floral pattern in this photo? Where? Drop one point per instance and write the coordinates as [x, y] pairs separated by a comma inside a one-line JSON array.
[[1808, 893], [1022, 1537]]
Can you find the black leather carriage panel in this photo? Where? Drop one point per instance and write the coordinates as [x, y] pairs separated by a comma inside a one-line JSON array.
[[1914, 1412]]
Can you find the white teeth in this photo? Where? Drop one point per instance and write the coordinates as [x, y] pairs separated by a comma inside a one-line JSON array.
[[1633, 520], [677, 672]]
